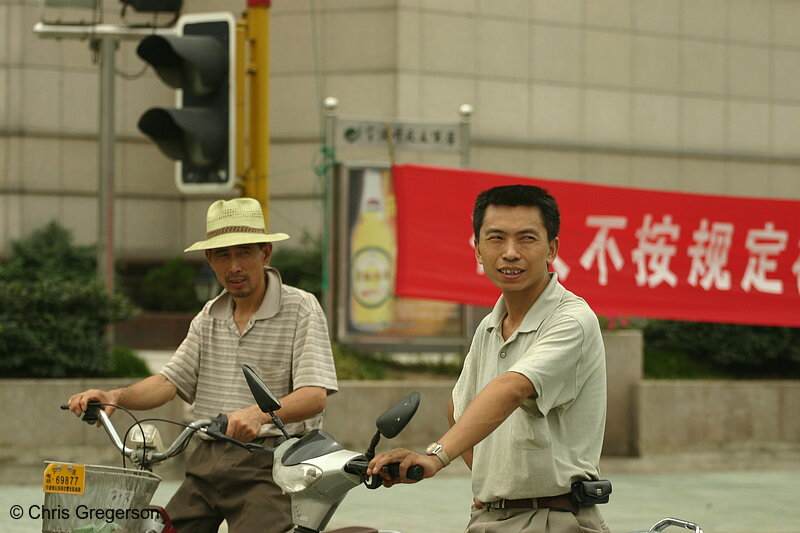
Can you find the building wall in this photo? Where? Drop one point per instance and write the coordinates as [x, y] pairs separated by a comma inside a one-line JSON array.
[[692, 95]]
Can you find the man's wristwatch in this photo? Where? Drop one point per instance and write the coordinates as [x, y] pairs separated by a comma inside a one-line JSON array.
[[435, 448]]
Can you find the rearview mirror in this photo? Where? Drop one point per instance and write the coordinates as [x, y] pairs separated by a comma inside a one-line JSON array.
[[266, 401], [394, 419]]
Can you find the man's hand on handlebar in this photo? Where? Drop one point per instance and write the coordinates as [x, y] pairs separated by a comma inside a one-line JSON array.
[[77, 403], [406, 458], [245, 424]]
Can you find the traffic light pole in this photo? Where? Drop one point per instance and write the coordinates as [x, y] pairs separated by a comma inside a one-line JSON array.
[[104, 38], [256, 184], [105, 239]]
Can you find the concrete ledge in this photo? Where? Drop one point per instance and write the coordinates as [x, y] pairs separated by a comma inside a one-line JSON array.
[[712, 415]]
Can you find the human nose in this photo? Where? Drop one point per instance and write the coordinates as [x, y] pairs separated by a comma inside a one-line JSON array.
[[510, 251], [236, 265]]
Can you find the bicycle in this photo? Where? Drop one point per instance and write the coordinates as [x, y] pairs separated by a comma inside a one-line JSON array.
[[85, 498]]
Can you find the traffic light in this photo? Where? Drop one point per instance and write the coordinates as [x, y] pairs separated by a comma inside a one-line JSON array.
[[200, 133]]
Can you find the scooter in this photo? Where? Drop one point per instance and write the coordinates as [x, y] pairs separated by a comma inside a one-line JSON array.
[[318, 472]]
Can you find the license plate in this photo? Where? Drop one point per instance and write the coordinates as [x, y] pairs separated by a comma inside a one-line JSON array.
[[64, 478]]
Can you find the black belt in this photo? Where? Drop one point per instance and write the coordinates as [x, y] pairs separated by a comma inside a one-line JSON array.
[[562, 502]]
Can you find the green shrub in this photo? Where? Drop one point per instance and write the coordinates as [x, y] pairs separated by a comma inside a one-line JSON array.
[[49, 253], [300, 266], [733, 350], [126, 364], [351, 364], [53, 312], [169, 287]]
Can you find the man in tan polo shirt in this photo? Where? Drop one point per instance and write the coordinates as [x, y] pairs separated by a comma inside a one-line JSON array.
[[278, 330], [528, 412]]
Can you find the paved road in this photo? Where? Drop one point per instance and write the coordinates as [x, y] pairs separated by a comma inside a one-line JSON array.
[[732, 501]]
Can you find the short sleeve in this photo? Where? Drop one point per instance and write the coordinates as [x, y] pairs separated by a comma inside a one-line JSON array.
[[465, 388], [183, 369], [551, 363], [312, 364]]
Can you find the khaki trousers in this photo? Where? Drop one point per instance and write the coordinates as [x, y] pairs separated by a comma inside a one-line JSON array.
[[224, 481], [586, 520]]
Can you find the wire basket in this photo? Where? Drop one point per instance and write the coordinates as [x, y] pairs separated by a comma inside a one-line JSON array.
[[106, 488]]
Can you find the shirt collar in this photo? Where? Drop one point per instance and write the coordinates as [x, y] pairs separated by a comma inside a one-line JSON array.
[[222, 306], [541, 308]]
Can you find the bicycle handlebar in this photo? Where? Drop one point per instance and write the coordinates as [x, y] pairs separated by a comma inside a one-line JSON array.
[[213, 427]]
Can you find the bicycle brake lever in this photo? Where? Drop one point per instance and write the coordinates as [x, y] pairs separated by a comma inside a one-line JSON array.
[[217, 428]]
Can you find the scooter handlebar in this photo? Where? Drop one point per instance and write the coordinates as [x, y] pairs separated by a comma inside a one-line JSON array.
[[414, 472]]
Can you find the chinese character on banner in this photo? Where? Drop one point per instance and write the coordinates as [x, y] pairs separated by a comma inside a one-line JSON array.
[[710, 255], [653, 245], [603, 244], [762, 243]]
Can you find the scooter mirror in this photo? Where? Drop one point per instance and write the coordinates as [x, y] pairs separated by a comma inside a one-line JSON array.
[[266, 401], [394, 419]]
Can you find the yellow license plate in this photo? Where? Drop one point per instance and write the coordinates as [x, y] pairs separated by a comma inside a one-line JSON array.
[[64, 478]]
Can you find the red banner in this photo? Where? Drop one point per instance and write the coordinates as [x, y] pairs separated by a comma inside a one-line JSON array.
[[628, 252]]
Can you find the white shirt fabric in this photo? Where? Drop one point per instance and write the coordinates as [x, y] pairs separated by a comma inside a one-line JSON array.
[[557, 437]]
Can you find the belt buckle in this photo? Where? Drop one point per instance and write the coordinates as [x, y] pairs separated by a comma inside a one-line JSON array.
[[498, 504]]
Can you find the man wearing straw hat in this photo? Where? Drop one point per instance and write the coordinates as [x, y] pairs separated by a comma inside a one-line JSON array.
[[280, 331]]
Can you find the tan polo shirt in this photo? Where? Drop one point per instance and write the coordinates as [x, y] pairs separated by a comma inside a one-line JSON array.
[[556, 438], [286, 342]]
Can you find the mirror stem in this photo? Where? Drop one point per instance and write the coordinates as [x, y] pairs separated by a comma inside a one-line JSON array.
[[370, 454], [279, 424]]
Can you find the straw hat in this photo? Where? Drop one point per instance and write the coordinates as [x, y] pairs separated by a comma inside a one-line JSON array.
[[235, 222]]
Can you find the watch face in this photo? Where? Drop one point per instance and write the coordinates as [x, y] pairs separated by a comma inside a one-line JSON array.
[[431, 449]]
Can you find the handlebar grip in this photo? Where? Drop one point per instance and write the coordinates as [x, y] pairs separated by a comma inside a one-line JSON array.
[[92, 413], [219, 423], [414, 472]]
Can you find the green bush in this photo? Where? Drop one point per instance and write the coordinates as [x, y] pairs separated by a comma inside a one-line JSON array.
[[126, 364], [300, 266], [733, 350], [169, 287], [351, 364], [53, 312]]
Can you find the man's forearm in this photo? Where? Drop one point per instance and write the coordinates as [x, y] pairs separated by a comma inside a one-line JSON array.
[[149, 393], [302, 404], [485, 413], [467, 455]]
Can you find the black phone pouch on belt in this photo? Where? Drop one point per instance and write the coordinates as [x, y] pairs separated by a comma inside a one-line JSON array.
[[588, 492]]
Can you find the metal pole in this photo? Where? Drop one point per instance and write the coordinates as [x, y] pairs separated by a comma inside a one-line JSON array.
[[465, 111], [329, 268], [105, 149], [105, 238], [258, 29]]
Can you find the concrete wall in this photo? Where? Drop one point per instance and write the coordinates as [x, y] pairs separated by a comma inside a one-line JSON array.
[[36, 429], [713, 415]]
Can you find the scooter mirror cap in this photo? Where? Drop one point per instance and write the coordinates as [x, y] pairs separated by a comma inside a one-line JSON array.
[[394, 419], [266, 401]]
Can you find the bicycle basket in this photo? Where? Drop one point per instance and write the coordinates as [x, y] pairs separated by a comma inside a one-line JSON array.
[[107, 490]]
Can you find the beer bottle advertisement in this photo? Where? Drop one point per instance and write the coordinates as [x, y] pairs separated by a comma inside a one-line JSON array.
[[372, 255]]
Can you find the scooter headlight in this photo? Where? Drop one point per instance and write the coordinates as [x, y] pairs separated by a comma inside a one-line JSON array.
[[296, 478]]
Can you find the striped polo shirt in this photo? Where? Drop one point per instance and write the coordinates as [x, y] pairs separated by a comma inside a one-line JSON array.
[[286, 342]]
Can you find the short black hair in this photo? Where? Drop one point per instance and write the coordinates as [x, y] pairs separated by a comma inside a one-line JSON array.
[[515, 196]]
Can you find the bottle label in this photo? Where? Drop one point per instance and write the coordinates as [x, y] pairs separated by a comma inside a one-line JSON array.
[[372, 276]]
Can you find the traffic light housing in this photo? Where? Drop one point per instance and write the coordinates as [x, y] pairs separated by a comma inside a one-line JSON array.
[[200, 132]]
